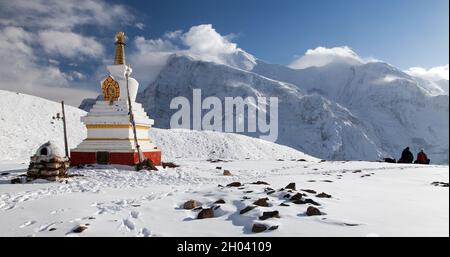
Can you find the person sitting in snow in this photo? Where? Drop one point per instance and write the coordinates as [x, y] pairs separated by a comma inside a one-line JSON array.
[[407, 156], [422, 158]]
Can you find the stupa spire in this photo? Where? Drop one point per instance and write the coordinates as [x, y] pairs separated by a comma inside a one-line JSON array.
[[120, 48]]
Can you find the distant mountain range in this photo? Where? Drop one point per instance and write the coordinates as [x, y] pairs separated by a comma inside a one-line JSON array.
[[340, 111]]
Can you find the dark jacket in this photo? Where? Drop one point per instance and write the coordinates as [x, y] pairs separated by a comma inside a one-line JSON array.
[[407, 156]]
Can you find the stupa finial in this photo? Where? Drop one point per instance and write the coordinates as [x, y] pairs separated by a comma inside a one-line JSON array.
[[120, 48]]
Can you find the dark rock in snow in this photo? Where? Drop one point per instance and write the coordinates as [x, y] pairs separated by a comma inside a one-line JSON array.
[[309, 191], [234, 184], [79, 229], [247, 209], [273, 227], [323, 195], [227, 173], [312, 211], [357, 171], [220, 201], [301, 160], [290, 186], [258, 228], [191, 204], [297, 196], [269, 214], [260, 183], [206, 213], [284, 204], [169, 165], [262, 202], [286, 195], [218, 168]]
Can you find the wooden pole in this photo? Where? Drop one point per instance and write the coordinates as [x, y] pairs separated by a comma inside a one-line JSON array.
[[133, 124], [65, 130]]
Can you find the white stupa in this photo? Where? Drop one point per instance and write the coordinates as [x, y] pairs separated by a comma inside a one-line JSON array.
[[110, 138]]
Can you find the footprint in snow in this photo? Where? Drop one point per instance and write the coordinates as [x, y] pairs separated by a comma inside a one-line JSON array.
[[135, 214], [27, 223], [128, 224], [145, 232]]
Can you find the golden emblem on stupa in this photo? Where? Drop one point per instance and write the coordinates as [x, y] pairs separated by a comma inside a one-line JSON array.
[[110, 90]]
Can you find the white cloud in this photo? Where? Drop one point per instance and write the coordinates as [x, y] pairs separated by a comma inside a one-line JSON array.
[[322, 56], [63, 14], [69, 44], [433, 74], [36, 33], [200, 42], [206, 44], [139, 25]]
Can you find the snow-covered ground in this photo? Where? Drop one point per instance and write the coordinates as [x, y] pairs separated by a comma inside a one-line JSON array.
[[368, 199]]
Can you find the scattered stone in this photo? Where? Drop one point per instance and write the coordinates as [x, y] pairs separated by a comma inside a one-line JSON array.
[[312, 211], [16, 181], [197, 208], [5, 173], [52, 229], [297, 196], [234, 184], [220, 201], [206, 213], [290, 186], [248, 192], [309, 191], [260, 183], [219, 185], [269, 190], [191, 204], [299, 201], [311, 201], [247, 209], [240, 188], [286, 195], [301, 160], [227, 173], [281, 189], [216, 207], [262, 202], [357, 171], [328, 181], [440, 184], [322, 161], [312, 180], [218, 168], [315, 169], [273, 227], [246, 198], [280, 160], [136, 205], [323, 195], [91, 218], [270, 214], [79, 229], [258, 228], [284, 204], [169, 165]]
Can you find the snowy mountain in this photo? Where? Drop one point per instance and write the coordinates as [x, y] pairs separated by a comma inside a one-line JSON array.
[[27, 125], [362, 111]]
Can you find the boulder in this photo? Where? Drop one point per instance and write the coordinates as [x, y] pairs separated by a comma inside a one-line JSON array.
[[247, 209], [273, 227], [262, 202], [323, 195], [312, 211], [290, 186], [269, 214], [227, 173], [297, 196], [79, 228], [220, 201], [191, 204], [206, 213], [234, 184], [309, 191], [260, 183], [258, 228]]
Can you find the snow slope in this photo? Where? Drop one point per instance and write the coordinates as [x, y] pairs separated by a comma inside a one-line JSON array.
[[27, 125], [367, 199], [339, 111]]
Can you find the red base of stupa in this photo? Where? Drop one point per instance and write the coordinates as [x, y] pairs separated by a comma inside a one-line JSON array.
[[77, 158]]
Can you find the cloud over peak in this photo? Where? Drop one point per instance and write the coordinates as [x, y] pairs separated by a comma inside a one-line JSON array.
[[322, 56], [433, 74]]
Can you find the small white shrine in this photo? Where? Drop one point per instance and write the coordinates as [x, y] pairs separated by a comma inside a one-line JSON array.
[[110, 130]]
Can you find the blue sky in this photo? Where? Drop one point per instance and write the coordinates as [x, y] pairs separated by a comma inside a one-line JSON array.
[[404, 33], [55, 48]]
